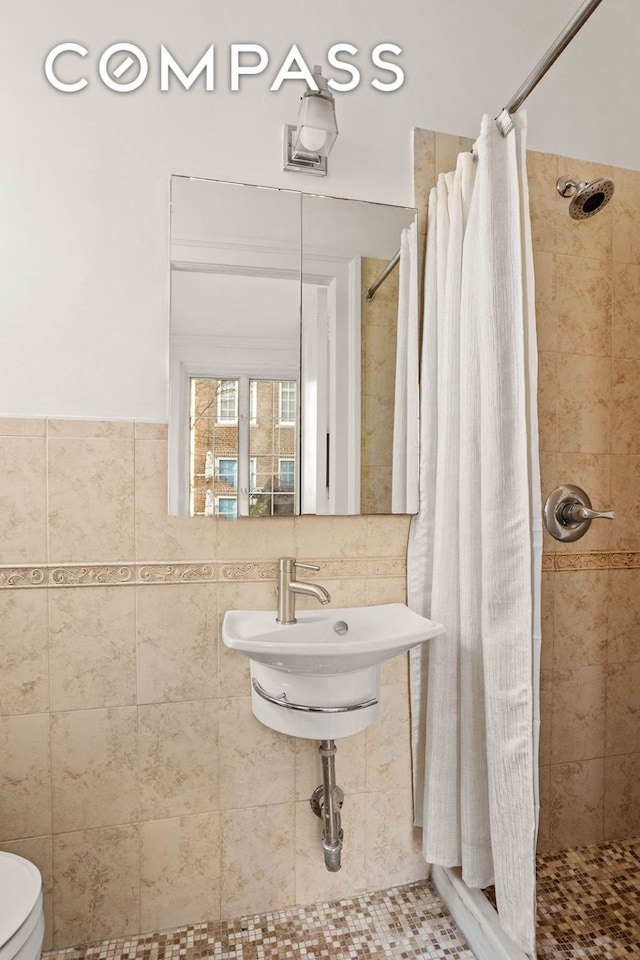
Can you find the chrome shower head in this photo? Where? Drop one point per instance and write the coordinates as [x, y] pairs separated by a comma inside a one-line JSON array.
[[587, 198]]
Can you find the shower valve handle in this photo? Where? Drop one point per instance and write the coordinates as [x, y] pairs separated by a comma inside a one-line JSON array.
[[576, 513], [568, 512]]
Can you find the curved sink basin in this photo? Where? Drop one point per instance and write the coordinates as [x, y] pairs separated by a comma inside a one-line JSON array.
[[319, 678], [326, 642]]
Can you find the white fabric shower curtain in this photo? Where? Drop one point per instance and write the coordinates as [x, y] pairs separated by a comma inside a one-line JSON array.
[[474, 555]]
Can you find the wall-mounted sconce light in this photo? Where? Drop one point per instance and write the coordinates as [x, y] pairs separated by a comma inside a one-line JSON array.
[[308, 144]]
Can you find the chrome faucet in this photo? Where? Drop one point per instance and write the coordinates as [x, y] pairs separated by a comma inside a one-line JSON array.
[[288, 586]]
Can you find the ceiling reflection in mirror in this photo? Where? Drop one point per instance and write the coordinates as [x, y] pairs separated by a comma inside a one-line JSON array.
[[283, 375]]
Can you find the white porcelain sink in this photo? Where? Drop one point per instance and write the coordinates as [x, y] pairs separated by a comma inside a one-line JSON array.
[[319, 678], [330, 641]]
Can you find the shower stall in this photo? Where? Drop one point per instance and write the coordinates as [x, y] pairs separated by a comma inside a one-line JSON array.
[[586, 256]]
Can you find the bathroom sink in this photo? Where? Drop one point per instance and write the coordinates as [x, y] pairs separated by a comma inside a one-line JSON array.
[[327, 642], [319, 678]]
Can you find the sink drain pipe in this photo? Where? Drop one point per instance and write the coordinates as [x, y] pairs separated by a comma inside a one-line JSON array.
[[326, 802]]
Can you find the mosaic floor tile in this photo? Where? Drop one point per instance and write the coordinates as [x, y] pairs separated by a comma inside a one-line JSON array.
[[405, 923], [588, 909], [589, 902]]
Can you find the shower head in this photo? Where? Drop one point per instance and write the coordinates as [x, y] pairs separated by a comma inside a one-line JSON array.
[[587, 198]]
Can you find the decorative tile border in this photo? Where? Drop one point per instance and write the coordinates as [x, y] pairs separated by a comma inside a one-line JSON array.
[[591, 561], [23, 577], [625, 561], [18, 576], [106, 574], [329, 570], [338, 570], [247, 571], [98, 575], [583, 561], [176, 573], [130, 574], [387, 567]]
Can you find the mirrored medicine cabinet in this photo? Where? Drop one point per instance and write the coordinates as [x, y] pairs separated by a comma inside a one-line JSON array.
[[282, 373]]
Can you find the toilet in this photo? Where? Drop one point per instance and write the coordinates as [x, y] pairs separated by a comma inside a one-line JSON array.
[[21, 914]]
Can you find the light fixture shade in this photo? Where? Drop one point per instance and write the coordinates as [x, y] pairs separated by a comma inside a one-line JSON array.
[[316, 128], [307, 145]]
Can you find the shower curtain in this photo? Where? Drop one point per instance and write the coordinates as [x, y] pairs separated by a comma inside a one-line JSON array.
[[474, 556]]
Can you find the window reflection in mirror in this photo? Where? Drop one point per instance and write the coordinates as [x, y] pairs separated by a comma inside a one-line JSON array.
[[273, 450], [213, 435], [234, 472]]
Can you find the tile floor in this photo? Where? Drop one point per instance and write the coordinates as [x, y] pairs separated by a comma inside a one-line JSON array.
[[589, 902], [405, 923], [588, 907]]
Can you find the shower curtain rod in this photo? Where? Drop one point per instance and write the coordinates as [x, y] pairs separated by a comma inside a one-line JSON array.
[[504, 121], [370, 292]]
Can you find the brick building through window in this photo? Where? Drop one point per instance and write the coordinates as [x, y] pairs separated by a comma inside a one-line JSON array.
[[241, 468]]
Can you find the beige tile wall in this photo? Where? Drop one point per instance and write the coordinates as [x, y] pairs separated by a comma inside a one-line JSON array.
[[132, 771], [379, 341], [588, 316]]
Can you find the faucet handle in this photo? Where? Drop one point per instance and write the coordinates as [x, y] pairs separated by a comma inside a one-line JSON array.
[[306, 566], [577, 513]]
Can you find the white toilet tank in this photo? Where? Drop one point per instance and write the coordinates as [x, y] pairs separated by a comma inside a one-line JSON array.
[[21, 915]]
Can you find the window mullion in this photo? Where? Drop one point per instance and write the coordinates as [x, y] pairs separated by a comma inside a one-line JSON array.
[[243, 447]]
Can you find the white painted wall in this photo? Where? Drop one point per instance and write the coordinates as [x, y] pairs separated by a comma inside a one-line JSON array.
[[85, 177]]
